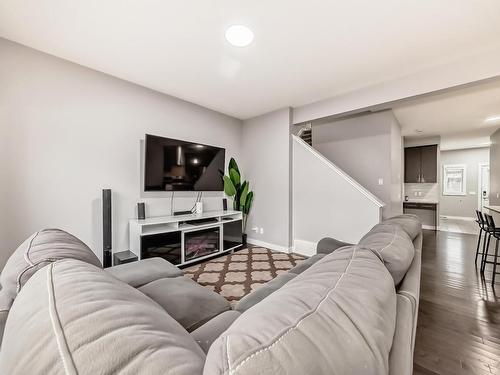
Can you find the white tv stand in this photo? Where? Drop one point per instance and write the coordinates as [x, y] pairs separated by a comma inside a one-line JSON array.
[[185, 239]]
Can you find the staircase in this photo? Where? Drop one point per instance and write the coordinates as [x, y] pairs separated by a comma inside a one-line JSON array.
[[305, 134], [327, 202]]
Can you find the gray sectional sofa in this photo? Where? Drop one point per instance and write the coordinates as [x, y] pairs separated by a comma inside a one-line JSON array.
[[350, 309]]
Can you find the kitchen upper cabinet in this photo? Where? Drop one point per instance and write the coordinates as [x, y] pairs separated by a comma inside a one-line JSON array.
[[429, 163], [412, 164], [421, 164]]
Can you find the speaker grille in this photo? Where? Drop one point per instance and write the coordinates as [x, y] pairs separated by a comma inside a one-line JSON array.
[[106, 227]]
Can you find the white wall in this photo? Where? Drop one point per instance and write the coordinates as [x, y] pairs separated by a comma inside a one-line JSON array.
[[3, 180], [326, 202], [422, 141], [397, 161], [463, 205], [472, 139], [266, 164], [71, 131], [495, 170], [368, 148]]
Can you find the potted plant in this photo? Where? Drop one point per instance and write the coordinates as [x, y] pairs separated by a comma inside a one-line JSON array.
[[240, 192]]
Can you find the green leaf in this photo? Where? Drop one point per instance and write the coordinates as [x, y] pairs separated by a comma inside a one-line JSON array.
[[248, 203], [233, 165], [243, 196], [235, 176], [229, 188]]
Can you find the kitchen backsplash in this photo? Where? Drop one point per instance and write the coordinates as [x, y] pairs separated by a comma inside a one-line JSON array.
[[422, 191]]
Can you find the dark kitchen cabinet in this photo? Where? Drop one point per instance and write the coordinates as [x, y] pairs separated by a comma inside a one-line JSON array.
[[429, 163], [421, 164], [412, 164]]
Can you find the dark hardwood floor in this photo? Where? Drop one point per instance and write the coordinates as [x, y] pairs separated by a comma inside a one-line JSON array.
[[458, 329]]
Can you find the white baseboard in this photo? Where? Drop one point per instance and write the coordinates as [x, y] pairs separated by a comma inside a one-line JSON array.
[[465, 218], [306, 248], [268, 245], [431, 227]]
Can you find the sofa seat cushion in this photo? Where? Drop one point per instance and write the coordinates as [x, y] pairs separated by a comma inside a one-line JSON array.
[[206, 334], [411, 224], [391, 243], [305, 264], [337, 317], [263, 291], [139, 273], [74, 318], [40, 249], [186, 301]]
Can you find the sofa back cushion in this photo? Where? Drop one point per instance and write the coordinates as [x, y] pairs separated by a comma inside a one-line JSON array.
[[336, 317], [411, 224], [391, 243], [40, 249], [74, 318]]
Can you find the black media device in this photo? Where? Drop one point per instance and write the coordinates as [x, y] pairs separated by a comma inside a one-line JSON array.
[[178, 213], [175, 165], [124, 257], [106, 228], [141, 211], [201, 221], [224, 204]]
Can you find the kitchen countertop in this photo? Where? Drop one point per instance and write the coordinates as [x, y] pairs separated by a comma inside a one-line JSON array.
[[493, 208], [421, 201]]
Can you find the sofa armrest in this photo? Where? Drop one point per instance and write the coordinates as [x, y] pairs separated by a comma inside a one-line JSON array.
[[144, 271], [328, 245], [401, 355]]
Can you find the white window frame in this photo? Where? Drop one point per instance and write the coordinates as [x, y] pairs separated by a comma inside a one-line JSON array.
[[464, 180]]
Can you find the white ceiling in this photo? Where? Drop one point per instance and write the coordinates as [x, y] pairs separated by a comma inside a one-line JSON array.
[[462, 111], [303, 51]]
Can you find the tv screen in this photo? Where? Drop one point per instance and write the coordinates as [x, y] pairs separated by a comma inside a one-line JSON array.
[[174, 165]]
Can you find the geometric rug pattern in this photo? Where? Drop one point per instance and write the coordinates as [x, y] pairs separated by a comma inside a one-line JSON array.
[[236, 275]]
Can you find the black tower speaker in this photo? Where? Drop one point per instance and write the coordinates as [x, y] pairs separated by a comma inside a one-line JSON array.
[[224, 204], [106, 228], [141, 211]]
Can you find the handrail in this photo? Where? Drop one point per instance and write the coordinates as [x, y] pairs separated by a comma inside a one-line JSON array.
[[340, 172], [303, 129]]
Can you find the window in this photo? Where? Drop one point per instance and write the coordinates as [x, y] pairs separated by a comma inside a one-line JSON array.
[[454, 179]]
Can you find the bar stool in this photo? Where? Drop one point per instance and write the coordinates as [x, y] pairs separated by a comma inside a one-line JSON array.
[[482, 228], [495, 232], [488, 232]]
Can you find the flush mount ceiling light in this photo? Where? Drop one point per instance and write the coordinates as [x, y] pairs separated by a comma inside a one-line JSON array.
[[419, 131], [492, 119], [239, 35]]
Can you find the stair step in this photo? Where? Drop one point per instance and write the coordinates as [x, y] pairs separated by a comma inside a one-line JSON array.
[[306, 136]]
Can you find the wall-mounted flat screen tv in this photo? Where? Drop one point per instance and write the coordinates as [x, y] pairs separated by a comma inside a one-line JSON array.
[[175, 165]]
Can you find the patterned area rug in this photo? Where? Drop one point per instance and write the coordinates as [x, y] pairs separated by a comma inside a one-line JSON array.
[[236, 275]]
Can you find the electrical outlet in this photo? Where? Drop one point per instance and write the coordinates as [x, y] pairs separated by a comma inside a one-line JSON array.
[[380, 181], [415, 193], [261, 230], [419, 193]]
